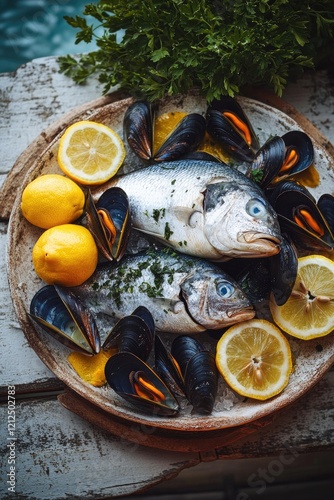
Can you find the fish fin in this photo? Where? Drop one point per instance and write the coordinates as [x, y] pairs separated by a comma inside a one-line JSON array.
[[153, 234]]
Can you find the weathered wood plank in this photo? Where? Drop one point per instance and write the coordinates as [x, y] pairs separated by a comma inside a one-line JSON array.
[[32, 98], [20, 365], [55, 447], [59, 456]]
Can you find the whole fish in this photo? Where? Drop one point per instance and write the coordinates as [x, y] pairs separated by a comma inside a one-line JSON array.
[[201, 208], [184, 294]]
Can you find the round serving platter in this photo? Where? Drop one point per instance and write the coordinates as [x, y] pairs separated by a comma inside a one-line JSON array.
[[311, 358]]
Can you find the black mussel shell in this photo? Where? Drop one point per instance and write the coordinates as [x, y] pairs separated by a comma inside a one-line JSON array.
[[326, 207], [229, 126], [139, 131], [283, 271], [299, 153], [186, 137], [253, 276], [109, 222], [134, 381], [168, 369], [282, 157], [133, 333], [201, 382], [301, 218], [183, 348], [62, 315], [287, 185], [201, 155], [138, 128], [268, 162]]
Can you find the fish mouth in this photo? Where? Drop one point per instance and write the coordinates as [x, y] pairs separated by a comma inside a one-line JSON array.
[[262, 244], [237, 316]]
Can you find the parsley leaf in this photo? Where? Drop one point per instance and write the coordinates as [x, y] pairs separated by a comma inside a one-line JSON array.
[[170, 46]]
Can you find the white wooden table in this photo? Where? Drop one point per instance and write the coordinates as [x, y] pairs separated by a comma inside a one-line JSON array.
[[53, 453]]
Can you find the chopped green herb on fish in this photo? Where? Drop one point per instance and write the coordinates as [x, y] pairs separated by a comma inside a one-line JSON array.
[[183, 293]]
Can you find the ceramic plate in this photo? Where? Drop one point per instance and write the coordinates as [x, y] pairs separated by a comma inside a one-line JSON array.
[[312, 358]]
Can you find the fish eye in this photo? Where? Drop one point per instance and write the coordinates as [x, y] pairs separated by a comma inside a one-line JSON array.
[[256, 208], [225, 289]]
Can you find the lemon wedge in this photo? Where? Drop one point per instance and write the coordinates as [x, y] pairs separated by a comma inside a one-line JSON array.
[[90, 153], [254, 358], [309, 311]]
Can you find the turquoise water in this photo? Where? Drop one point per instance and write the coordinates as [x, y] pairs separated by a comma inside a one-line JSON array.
[[36, 28]]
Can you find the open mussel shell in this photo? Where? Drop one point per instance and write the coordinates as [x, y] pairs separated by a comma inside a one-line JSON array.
[[229, 126], [139, 131], [268, 161], [201, 382], [301, 218], [283, 157], [133, 333], [134, 381], [109, 222], [186, 137], [283, 271], [138, 128], [63, 316], [299, 153], [168, 369], [285, 186]]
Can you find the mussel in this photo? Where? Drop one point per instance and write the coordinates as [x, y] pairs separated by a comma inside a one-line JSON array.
[[133, 380], [109, 222], [199, 372], [139, 131], [282, 157], [168, 368], [128, 373], [62, 315], [283, 269], [133, 333], [274, 275], [227, 123], [309, 224]]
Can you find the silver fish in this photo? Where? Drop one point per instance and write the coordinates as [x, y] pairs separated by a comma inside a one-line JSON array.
[[201, 208], [184, 294]]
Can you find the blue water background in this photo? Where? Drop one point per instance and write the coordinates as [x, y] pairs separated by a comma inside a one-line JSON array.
[[36, 28]]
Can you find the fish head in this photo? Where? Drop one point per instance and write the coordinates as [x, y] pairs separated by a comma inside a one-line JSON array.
[[214, 300], [239, 221]]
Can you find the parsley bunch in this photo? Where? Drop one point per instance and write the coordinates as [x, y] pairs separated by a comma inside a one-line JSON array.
[[170, 46]]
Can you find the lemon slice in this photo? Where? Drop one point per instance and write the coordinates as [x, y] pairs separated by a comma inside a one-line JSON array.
[[309, 311], [254, 357], [90, 153]]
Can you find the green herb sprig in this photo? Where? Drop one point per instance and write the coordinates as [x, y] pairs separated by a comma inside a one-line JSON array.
[[169, 47]]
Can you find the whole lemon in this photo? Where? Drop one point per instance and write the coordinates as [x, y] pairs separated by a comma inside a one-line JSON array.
[[65, 255], [52, 199]]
